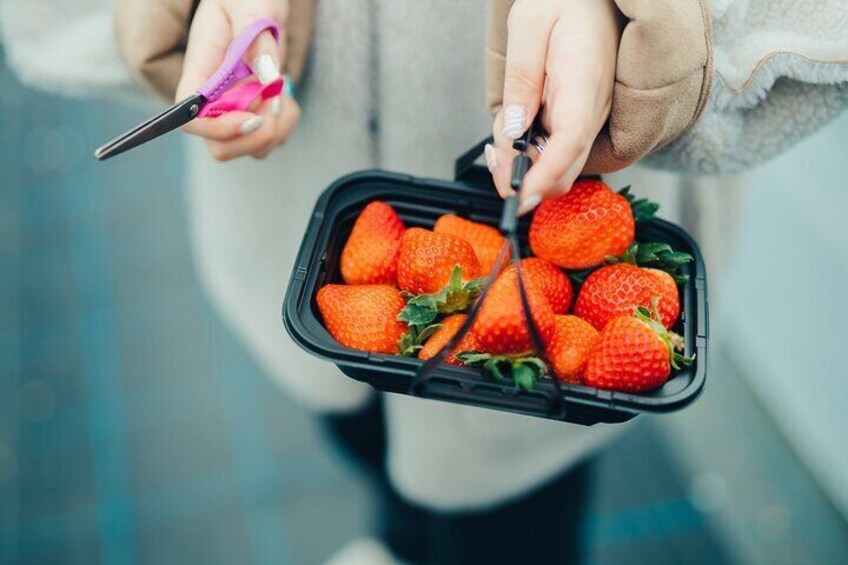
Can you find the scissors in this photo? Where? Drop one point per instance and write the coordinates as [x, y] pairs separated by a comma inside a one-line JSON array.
[[216, 96]]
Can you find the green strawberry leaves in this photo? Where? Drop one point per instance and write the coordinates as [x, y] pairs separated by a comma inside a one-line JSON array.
[[656, 255], [644, 210], [422, 309], [524, 370], [413, 339]]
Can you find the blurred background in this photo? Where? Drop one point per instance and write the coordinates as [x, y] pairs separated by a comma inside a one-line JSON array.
[[135, 428]]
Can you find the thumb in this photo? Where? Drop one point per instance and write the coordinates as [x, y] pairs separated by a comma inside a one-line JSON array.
[[265, 55]]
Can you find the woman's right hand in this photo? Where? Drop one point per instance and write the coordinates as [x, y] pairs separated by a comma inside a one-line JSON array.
[[266, 126]]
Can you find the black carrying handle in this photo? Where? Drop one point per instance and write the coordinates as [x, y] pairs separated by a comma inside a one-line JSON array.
[[468, 172]]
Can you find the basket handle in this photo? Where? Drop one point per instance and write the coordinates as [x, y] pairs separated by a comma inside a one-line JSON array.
[[469, 173]]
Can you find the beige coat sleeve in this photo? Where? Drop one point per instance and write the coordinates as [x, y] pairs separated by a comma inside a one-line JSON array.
[[662, 81], [152, 38]]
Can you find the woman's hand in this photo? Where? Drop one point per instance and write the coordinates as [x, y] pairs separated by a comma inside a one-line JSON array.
[[235, 134], [561, 56]]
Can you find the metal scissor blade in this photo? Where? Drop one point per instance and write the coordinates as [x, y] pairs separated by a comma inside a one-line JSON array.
[[177, 115]]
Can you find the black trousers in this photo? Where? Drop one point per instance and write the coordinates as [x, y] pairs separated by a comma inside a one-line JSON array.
[[544, 526]]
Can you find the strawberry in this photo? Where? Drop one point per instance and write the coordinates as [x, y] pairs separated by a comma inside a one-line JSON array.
[[573, 339], [446, 331], [617, 289], [501, 326], [441, 267], [553, 283], [669, 297], [485, 240], [582, 227], [370, 254], [363, 316], [427, 259], [634, 353]]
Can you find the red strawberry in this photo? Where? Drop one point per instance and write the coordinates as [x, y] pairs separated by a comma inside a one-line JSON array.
[[581, 228], [633, 354], [569, 349], [554, 283], [501, 327], [427, 259], [363, 316], [450, 326], [617, 289], [669, 302], [486, 240], [370, 254]]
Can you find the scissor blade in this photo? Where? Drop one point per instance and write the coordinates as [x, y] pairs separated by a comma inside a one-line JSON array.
[[177, 115]]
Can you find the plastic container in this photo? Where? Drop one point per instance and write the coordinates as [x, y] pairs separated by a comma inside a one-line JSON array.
[[420, 202]]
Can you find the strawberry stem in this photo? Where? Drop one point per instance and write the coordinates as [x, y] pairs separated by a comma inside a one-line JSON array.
[[524, 370], [423, 309], [656, 255], [644, 210], [413, 339]]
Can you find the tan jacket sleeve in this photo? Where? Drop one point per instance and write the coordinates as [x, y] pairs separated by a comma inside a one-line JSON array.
[[663, 77], [152, 36]]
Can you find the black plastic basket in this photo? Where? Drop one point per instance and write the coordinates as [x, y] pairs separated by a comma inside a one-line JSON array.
[[419, 202]]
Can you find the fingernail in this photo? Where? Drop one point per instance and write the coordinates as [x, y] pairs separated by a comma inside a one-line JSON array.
[[265, 69], [276, 105], [491, 157], [514, 119], [251, 124], [528, 204]]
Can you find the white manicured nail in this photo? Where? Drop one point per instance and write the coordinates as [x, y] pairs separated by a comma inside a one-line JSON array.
[[265, 69], [276, 105], [491, 157], [529, 203], [514, 119], [251, 124]]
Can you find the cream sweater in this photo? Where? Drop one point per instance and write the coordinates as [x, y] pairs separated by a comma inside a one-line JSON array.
[[369, 68]]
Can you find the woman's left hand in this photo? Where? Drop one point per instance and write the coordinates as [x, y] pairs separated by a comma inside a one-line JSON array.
[[561, 57]]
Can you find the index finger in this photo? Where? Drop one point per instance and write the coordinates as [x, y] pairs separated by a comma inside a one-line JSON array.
[[208, 39]]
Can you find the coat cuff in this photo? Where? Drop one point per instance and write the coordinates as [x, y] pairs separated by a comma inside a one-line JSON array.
[[663, 77]]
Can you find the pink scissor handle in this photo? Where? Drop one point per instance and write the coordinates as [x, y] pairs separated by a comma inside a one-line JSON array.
[[241, 97], [233, 68]]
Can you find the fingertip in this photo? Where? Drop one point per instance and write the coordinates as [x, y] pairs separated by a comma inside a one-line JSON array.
[[528, 203]]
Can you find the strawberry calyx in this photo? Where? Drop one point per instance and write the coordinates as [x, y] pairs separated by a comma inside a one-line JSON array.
[[644, 209], [656, 255], [413, 339], [422, 309], [524, 370], [672, 340]]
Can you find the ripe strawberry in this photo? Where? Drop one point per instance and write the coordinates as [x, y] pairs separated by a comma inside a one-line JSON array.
[[450, 326], [633, 354], [581, 228], [501, 327], [669, 301], [569, 349], [617, 289], [363, 316], [554, 283], [427, 259], [486, 240], [370, 254]]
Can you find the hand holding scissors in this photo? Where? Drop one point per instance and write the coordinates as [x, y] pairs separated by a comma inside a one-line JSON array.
[[250, 116]]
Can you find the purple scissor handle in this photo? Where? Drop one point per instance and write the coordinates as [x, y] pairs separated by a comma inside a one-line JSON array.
[[232, 69]]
